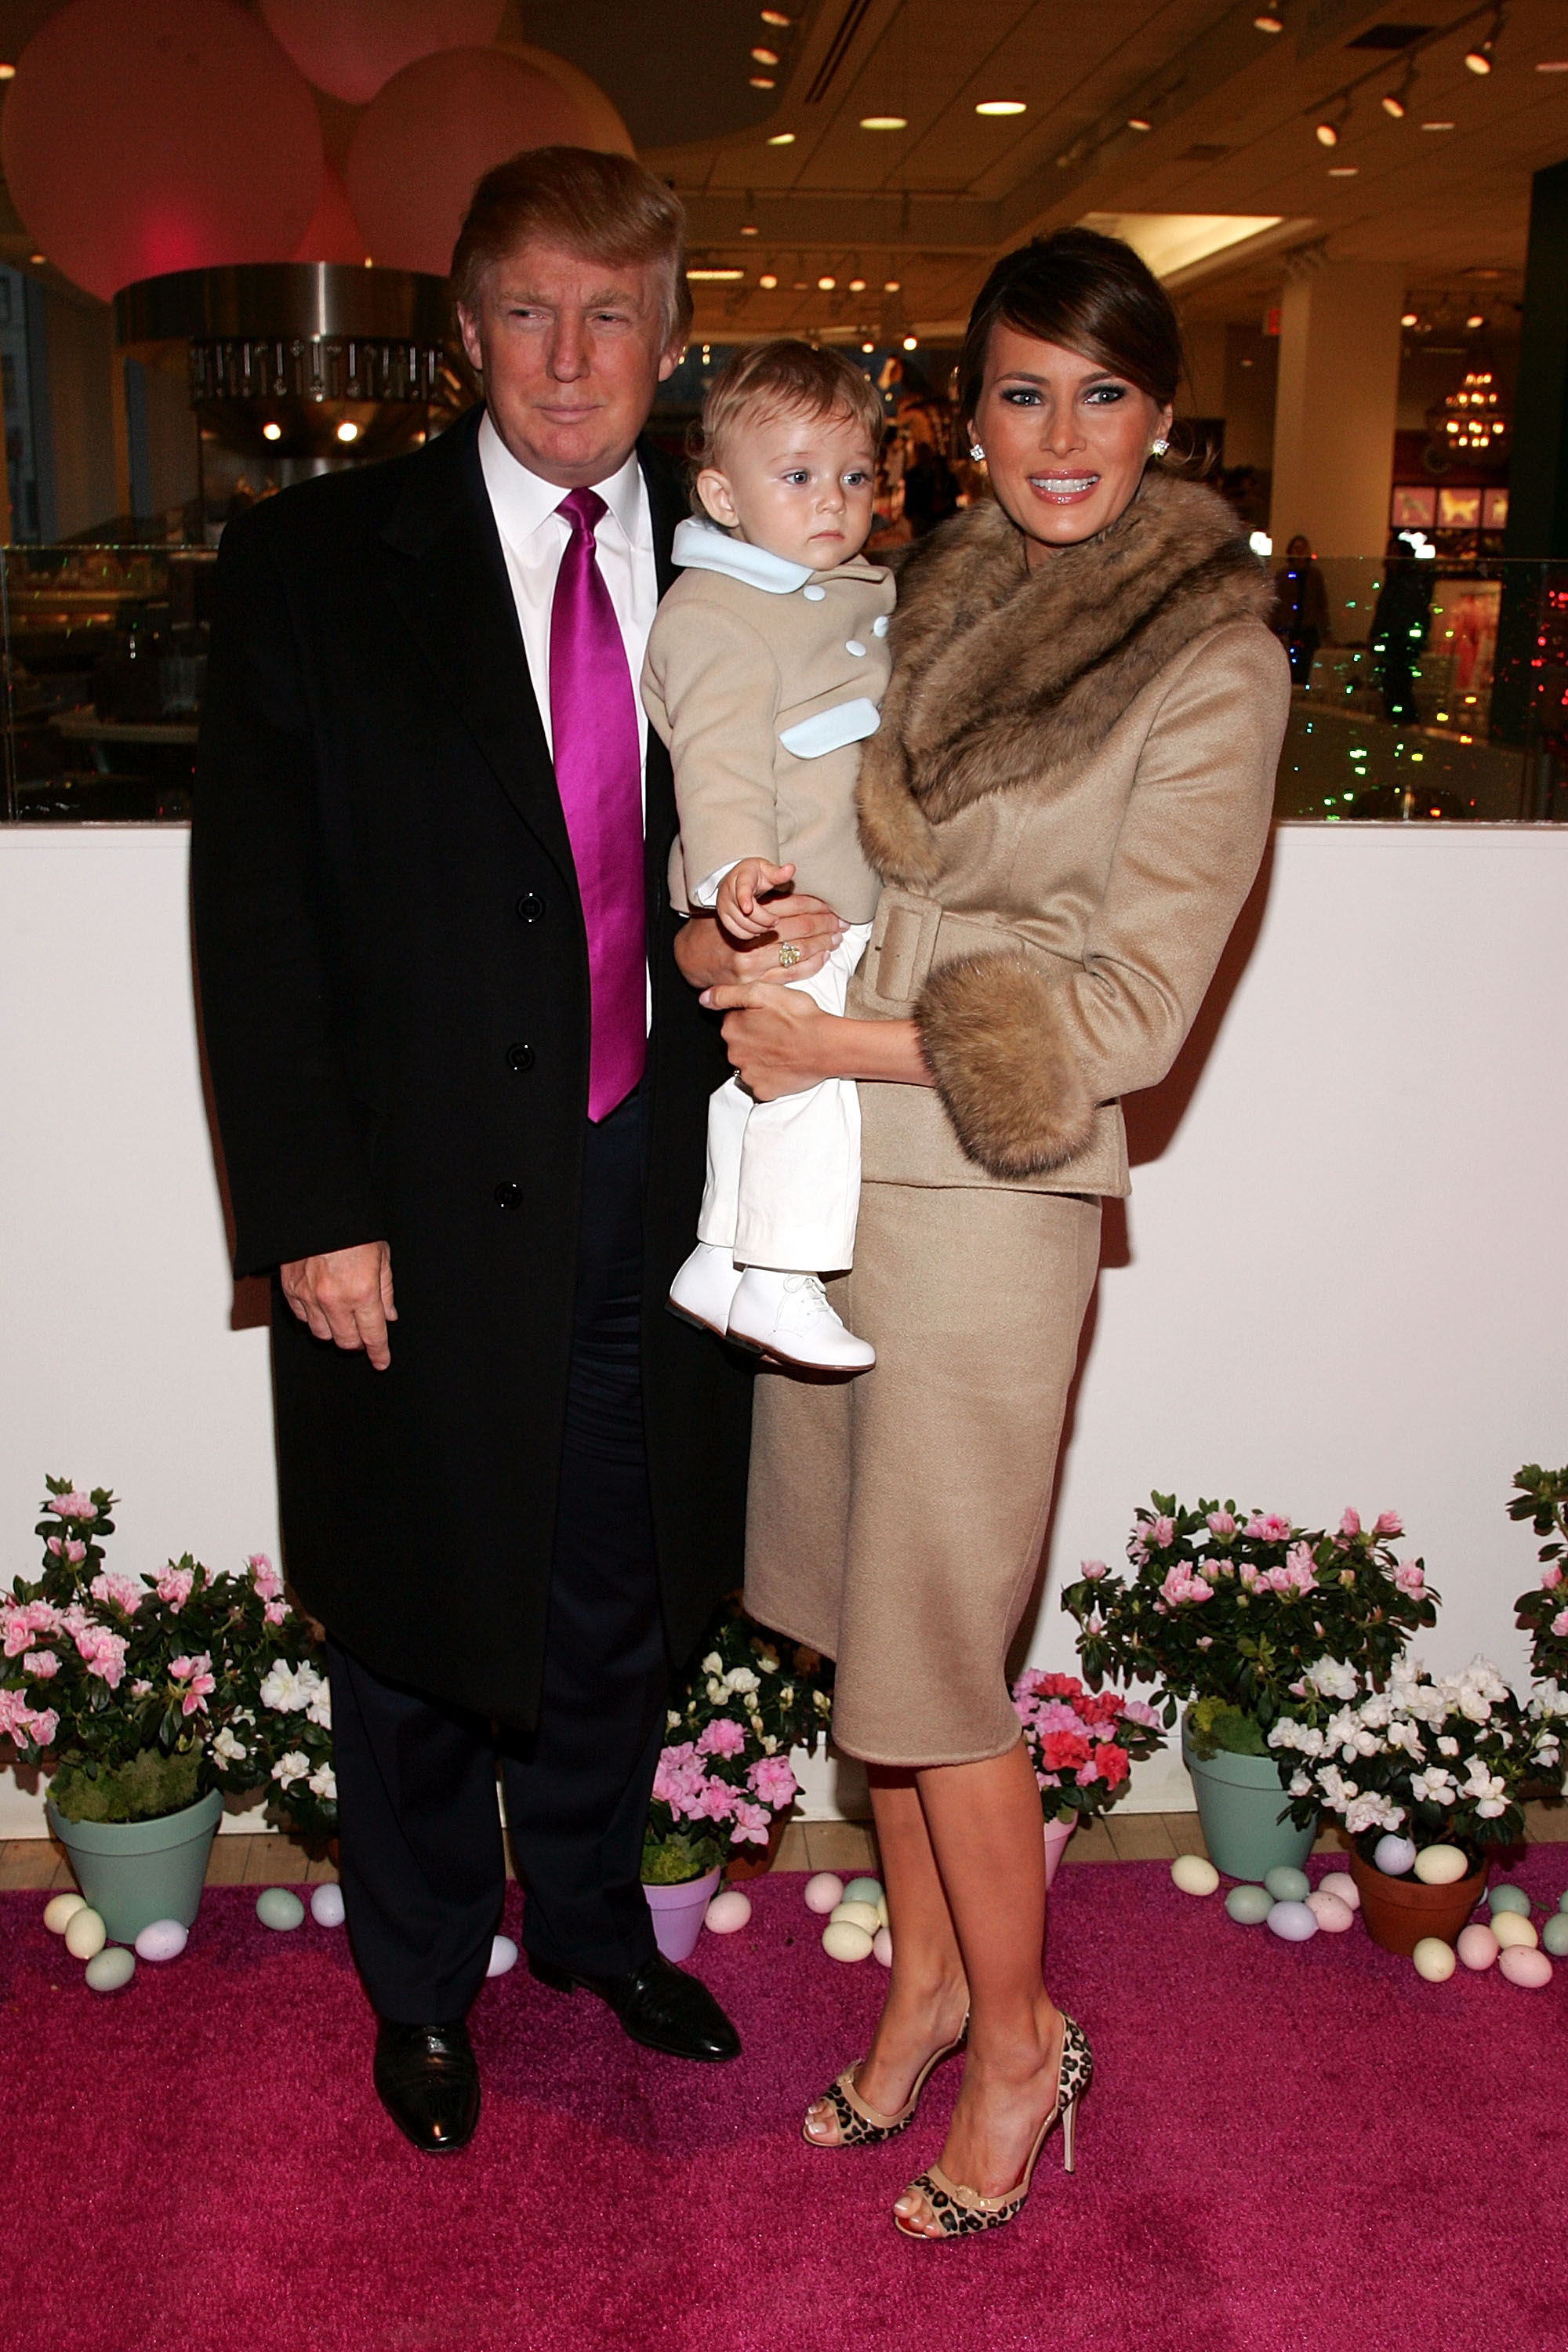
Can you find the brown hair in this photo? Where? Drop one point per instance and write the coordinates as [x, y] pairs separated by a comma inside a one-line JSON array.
[[796, 378], [607, 207], [1088, 293]]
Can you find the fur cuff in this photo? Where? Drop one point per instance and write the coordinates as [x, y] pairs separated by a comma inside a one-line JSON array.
[[993, 1041]]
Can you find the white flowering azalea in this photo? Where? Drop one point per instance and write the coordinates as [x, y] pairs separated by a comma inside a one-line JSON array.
[[1406, 1735], [1371, 1811], [1447, 1745], [1331, 1679], [1289, 1733], [742, 1678], [1433, 1787], [286, 1688], [318, 1708], [228, 1748], [323, 1783], [712, 1663], [1548, 1698], [291, 1767]]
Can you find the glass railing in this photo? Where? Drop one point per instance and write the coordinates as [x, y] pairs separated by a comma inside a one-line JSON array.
[[1431, 691]]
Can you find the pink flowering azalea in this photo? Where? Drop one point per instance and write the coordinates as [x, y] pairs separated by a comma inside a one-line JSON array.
[[175, 1585], [1408, 1577], [1388, 1523], [751, 1824], [74, 1505], [265, 1577], [1551, 1576], [1221, 1524], [772, 1782], [196, 1676], [721, 1737], [103, 1654], [274, 1611], [1560, 1622], [45, 1724], [1181, 1585], [66, 1548], [1093, 1570], [18, 1633], [125, 1593], [1056, 1716], [1161, 1533], [42, 1664], [1269, 1529], [1350, 1524]]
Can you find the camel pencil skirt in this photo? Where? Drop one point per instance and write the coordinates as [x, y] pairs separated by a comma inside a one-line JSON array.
[[896, 1520]]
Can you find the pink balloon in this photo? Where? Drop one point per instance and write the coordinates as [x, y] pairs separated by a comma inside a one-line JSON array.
[[420, 146], [351, 47], [333, 235], [146, 135]]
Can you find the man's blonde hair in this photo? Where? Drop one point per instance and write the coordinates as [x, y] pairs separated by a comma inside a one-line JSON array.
[[790, 378], [605, 208]]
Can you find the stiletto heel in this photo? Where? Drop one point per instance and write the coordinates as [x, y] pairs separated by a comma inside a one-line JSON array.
[[860, 2126], [959, 2211]]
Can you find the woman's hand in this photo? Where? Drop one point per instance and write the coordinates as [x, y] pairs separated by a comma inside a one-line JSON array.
[[709, 958], [780, 1042]]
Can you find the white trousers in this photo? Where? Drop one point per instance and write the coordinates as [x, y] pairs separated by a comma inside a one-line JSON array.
[[783, 1178]]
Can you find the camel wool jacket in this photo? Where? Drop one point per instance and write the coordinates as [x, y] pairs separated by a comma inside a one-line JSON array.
[[1068, 800], [764, 678]]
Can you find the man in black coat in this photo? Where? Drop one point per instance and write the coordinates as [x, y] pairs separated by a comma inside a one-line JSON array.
[[513, 1496]]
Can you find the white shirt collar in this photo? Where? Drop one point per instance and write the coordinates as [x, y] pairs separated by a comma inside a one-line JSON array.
[[703, 547], [521, 500]]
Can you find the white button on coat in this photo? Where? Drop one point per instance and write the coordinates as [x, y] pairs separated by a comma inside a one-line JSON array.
[[814, 595], [853, 645], [880, 625]]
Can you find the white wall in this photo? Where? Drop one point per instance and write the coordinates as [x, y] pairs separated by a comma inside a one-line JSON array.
[[1341, 1279]]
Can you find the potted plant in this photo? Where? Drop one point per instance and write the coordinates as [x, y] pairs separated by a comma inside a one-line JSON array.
[[1542, 1496], [1082, 1744], [724, 1784], [1225, 1612], [1440, 1759], [139, 1693]]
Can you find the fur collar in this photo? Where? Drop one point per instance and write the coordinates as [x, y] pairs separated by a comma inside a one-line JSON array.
[[1002, 676]]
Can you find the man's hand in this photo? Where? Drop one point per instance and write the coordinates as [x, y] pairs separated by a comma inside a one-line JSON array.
[[345, 1296], [709, 958], [737, 904]]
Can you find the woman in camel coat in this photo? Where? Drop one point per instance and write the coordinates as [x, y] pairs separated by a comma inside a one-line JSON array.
[[1067, 801]]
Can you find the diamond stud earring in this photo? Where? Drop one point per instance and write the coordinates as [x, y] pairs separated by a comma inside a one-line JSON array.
[[1160, 447], [975, 451]]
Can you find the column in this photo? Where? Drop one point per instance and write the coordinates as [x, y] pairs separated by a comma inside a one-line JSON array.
[[1335, 407]]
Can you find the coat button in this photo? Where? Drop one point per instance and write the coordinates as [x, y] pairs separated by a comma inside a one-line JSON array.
[[509, 1196], [530, 907], [853, 645], [520, 1056], [814, 595]]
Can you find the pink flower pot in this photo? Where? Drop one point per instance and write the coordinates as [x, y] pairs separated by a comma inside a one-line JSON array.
[[1056, 1836], [679, 1913]]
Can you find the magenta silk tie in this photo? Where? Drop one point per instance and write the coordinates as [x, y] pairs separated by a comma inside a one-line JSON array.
[[598, 773]]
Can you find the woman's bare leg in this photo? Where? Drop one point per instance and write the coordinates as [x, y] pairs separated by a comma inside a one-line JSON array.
[[926, 1996], [985, 1827]]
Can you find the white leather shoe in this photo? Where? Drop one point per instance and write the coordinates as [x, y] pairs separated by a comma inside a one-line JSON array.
[[788, 1315], [705, 1288]]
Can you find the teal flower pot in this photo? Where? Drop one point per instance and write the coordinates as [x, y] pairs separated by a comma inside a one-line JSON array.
[[1241, 1798], [135, 1872]]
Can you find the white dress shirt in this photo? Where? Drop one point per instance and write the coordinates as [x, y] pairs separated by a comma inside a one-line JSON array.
[[534, 539]]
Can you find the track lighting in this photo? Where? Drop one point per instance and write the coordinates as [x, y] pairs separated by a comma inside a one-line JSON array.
[[1332, 120], [1481, 59], [1269, 20], [1397, 102]]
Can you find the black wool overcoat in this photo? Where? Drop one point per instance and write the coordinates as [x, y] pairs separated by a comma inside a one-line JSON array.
[[394, 983]]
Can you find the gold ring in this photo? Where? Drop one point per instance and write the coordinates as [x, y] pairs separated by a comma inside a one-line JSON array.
[[789, 955]]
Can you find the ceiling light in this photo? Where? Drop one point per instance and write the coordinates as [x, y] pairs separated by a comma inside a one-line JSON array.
[[716, 276], [272, 432], [1548, 65], [1392, 104], [826, 285], [1437, 126], [884, 122], [8, 73], [857, 286], [800, 286], [768, 280], [912, 342], [1343, 171], [1410, 318], [776, 16], [1268, 22], [1476, 319], [1328, 136], [1139, 122], [1002, 106], [766, 57], [763, 81], [1396, 102], [1478, 60], [868, 347], [750, 228], [1332, 120], [782, 139], [891, 285], [348, 430]]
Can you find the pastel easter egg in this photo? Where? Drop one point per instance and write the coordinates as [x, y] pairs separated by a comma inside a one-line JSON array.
[[1292, 1922], [882, 1947], [1393, 1855], [1478, 1947], [85, 1934], [1554, 1935], [59, 1913], [1341, 1882], [824, 1892], [1332, 1916], [503, 1956], [843, 1940], [1433, 1959], [1194, 1873], [863, 1890], [859, 1914], [1514, 1932], [164, 1939], [327, 1904], [1562, 1900], [1248, 1905], [1286, 1885], [728, 1913], [1504, 1897], [108, 1971], [1441, 1865], [883, 1914], [279, 1906], [1523, 1967]]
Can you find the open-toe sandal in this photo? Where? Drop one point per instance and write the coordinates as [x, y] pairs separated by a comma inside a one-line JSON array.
[[959, 2211], [860, 2126]]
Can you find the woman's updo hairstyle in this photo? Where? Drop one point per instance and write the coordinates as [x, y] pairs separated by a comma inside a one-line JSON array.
[[1088, 293]]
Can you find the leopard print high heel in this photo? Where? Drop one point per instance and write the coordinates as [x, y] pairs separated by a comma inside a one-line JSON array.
[[959, 2211], [860, 2126]]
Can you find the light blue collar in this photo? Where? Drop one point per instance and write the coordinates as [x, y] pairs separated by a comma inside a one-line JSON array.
[[702, 547]]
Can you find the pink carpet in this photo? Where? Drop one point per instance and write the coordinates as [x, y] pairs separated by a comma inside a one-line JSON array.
[[1288, 2149]]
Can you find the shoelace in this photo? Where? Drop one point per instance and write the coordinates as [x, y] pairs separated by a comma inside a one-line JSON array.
[[808, 1289]]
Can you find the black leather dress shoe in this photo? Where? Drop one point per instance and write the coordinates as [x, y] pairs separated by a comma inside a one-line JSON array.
[[658, 2005], [428, 2082]]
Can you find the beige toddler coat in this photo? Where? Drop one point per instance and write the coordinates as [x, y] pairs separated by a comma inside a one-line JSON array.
[[755, 670], [1069, 798]]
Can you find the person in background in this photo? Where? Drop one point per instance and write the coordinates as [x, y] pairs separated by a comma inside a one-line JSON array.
[[1304, 609], [1400, 620]]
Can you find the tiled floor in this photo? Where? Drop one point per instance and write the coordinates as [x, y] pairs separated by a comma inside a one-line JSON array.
[[265, 1860]]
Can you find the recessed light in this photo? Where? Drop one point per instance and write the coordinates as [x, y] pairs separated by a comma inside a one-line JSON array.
[[1437, 126], [884, 122], [1343, 171], [348, 430], [763, 81], [767, 280], [716, 276], [1139, 122], [1268, 22], [1410, 318], [857, 286], [868, 347], [8, 73], [765, 57], [912, 342], [800, 286], [782, 139], [272, 432], [826, 285], [1002, 106], [1476, 319], [750, 228], [776, 16], [891, 285], [38, 261]]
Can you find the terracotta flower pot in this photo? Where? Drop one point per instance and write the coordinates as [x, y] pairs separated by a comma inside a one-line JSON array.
[[1399, 1911], [757, 1859]]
